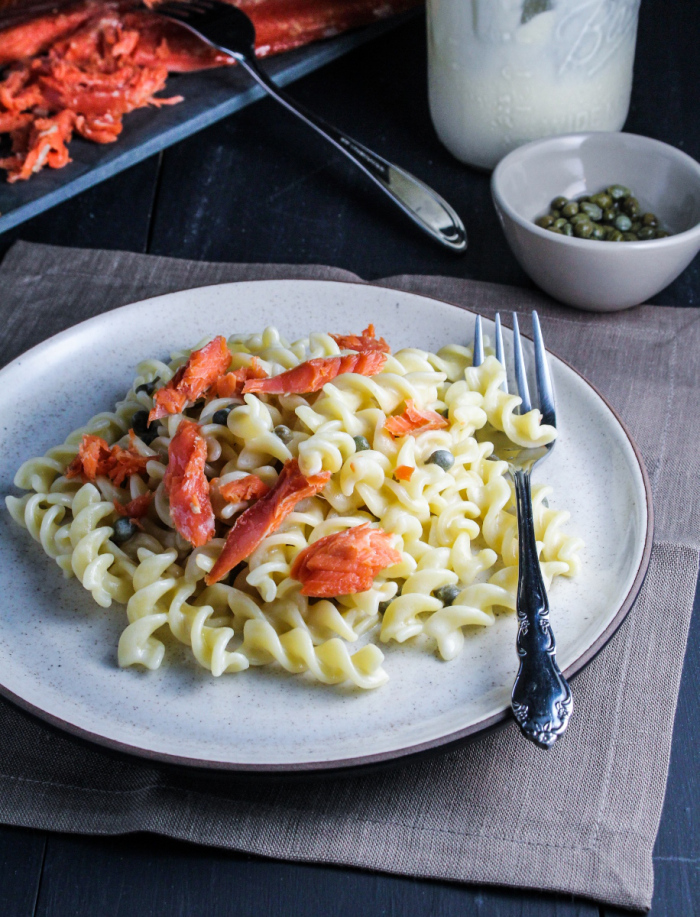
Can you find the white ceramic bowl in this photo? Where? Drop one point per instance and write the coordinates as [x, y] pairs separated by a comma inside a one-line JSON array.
[[599, 276]]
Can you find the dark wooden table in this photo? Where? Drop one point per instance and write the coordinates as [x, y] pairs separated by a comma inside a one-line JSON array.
[[260, 188]]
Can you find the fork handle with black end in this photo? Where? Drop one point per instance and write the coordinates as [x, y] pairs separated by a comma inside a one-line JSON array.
[[231, 31], [541, 698]]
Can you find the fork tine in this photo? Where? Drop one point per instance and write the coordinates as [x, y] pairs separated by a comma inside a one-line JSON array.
[[500, 354], [478, 357], [520, 376], [545, 389]]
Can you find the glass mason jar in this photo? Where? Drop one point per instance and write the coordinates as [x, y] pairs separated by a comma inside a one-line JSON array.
[[504, 72]]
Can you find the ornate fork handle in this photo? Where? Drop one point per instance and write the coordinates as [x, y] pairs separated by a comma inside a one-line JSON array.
[[541, 698]]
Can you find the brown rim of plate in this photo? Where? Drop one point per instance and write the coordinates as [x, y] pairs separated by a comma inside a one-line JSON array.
[[319, 768]]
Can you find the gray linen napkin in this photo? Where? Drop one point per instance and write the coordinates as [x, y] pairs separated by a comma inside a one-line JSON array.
[[580, 818]]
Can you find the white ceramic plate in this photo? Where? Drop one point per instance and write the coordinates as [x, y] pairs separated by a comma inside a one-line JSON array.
[[58, 649]]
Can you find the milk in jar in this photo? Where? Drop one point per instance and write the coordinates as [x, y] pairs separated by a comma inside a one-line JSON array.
[[504, 72]]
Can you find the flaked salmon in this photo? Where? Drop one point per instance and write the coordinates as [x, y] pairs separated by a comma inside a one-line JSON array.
[[344, 563], [193, 379], [414, 420], [187, 485], [365, 341], [265, 516], [230, 385], [312, 375], [96, 458]]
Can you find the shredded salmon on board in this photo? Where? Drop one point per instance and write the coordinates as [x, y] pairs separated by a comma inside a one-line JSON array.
[[251, 487], [230, 385], [344, 563], [404, 472], [265, 516], [365, 341], [135, 509], [187, 485], [312, 375], [192, 380], [96, 458], [414, 420], [81, 69]]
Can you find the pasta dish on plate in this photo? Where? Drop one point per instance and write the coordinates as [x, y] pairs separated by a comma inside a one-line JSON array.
[[296, 503]]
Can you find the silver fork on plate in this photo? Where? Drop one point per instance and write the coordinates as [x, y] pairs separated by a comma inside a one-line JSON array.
[[541, 698], [229, 29]]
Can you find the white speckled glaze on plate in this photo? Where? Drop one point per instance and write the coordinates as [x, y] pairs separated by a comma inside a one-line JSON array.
[[58, 649]]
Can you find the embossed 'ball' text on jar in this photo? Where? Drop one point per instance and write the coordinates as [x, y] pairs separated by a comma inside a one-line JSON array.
[[504, 72]]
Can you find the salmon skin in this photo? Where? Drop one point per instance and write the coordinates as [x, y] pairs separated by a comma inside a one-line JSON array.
[[414, 420], [344, 563], [187, 485], [265, 516], [312, 375], [81, 69], [193, 379]]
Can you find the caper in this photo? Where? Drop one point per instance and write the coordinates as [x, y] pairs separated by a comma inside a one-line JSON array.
[[148, 387], [567, 229], [361, 443], [636, 226], [559, 202], [124, 529], [584, 230], [382, 607], [615, 236], [603, 200], [618, 192], [630, 237], [609, 215], [283, 433], [559, 232], [447, 594], [646, 232], [631, 206], [221, 416], [545, 221], [623, 222], [580, 218], [598, 232], [570, 209], [662, 234], [593, 211], [442, 458], [650, 219], [560, 223]]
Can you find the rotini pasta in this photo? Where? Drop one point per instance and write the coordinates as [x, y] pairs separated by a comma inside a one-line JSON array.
[[306, 492]]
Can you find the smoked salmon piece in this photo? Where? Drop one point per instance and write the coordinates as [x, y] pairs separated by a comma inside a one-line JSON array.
[[404, 472], [265, 516], [251, 487], [414, 420], [231, 384], [96, 458], [313, 375], [344, 563], [365, 341], [94, 61], [135, 509], [187, 485], [193, 379]]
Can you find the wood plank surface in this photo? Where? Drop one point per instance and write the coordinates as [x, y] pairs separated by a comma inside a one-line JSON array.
[[21, 864], [156, 877]]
